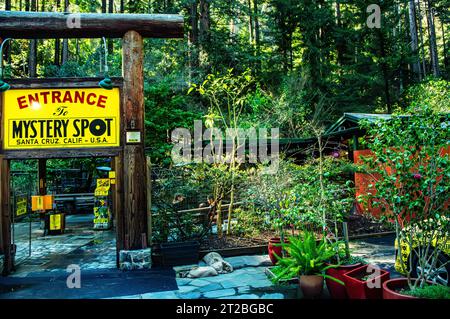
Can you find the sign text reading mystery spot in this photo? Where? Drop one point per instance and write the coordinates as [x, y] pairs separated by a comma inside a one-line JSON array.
[[55, 118]]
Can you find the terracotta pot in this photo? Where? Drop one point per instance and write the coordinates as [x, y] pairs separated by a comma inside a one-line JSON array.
[[391, 286], [275, 249], [311, 286], [336, 290], [359, 289]]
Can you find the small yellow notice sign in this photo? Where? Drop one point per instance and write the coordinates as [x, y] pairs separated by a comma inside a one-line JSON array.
[[21, 206], [55, 222], [56, 118]]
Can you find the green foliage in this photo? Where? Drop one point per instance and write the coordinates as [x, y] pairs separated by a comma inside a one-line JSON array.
[[410, 172], [430, 292], [272, 195], [336, 198], [435, 93], [306, 256], [166, 108], [249, 222]]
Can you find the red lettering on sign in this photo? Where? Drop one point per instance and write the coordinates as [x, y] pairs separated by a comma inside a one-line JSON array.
[[67, 97], [33, 98], [101, 101], [22, 102], [44, 95], [88, 99], [56, 97], [79, 97]]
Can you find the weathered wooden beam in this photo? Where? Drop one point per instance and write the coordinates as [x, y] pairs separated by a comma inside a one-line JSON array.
[[61, 153], [51, 83], [134, 162], [5, 215], [51, 25]]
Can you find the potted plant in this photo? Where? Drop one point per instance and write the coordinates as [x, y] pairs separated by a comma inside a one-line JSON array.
[[326, 200], [365, 282], [346, 262], [307, 260], [409, 181], [429, 291]]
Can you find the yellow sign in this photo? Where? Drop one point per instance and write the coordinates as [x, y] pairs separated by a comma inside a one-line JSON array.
[[103, 185], [55, 222], [21, 206], [55, 118]]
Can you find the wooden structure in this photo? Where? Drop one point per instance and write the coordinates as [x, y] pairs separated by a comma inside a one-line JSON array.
[[129, 162]]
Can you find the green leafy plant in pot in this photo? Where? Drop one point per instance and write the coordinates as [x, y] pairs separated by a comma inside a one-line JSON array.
[[307, 260]]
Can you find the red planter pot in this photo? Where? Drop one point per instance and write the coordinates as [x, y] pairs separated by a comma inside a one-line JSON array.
[[336, 290], [275, 249], [359, 289], [390, 288]]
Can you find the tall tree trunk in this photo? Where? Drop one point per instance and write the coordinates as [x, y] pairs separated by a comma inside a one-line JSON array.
[[32, 57], [384, 69], [8, 5], [415, 65], [433, 45], [122, 6], [340, 45], [204, 20], [57, 41], [204, 27], [444, 46], [257, 36], [110, 41], [193, 38], [423, 57], [65, 46], [250, 22]]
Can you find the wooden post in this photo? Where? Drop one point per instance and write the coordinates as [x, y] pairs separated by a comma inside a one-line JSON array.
[[5, 216], [149, 201], [118, 206], [134, 164]]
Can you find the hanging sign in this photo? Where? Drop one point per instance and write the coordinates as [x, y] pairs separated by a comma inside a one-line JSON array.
[[21, 205], [61, 118]]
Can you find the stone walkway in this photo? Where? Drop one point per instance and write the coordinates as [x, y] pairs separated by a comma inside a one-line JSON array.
[[80, 244], [95, 251], [247, 281]]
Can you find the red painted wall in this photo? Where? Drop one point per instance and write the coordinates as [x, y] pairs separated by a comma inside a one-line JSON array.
[[362, 182]]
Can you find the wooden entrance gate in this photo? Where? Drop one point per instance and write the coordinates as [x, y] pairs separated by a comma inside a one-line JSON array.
[[129, 162]]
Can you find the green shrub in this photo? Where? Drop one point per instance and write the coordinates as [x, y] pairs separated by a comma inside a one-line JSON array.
[[430, 292]]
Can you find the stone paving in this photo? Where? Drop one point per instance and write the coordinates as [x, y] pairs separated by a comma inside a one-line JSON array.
[[80, 244], [95, 250], [247, 281]]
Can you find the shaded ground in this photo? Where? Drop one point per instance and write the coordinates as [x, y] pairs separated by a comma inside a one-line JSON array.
[[80, 244], [95, 284], [43, 275]]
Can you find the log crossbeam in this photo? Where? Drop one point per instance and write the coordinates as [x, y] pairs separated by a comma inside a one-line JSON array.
[[53, 25]]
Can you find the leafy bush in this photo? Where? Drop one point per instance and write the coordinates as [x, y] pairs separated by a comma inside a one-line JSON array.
[[435, 93], [410, 180], [249, 222], [430, 292], [165, 110]]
